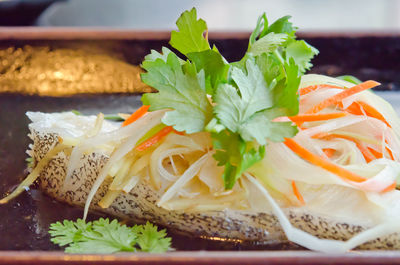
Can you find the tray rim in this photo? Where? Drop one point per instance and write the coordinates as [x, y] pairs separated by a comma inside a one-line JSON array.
[[184, 257], [97, 33], [202, 257]]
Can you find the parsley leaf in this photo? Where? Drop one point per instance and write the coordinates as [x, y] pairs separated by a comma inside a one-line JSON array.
[[103, 236], [180, 88], [190, 36]]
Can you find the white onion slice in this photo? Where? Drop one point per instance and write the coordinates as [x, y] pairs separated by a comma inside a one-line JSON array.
[[138, 129], [324, 245], [182, 180]]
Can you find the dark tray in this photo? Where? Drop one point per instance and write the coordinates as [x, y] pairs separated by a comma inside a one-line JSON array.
[[24, 221]]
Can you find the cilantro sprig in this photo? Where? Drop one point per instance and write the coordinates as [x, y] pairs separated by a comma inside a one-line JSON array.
[[236, 102], [103, 236]]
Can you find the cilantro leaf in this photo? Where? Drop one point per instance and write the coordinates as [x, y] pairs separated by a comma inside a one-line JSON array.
[[103, 236], [268, 43], [350, 78], [246, 96], [302, 53], [152, 240], [262, 25], [214, 65], [282, 25], [234, 110], [285, 92], [261, 126], [233, 153], [154, 55], [190, 36], [67, 232], [180, 88]]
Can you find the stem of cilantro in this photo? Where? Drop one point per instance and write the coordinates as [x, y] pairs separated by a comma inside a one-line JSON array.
[[279, 56]]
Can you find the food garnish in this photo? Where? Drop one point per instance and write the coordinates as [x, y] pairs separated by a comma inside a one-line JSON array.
[[105, 236], [237, 102], [248, 150]]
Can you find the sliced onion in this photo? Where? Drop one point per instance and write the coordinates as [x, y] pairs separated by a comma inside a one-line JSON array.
[[182, 180], [324, 245], [138, 129]]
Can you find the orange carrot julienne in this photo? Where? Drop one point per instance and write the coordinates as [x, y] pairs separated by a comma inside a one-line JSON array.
[[297, 193], [390, 153], [357, 108], [329, 152], [368, 156], [155, 138], [342, 95], [375, 153], [318, 161], [178, 132], [308, 89], [390, 187], [316, 117], [136, 115]]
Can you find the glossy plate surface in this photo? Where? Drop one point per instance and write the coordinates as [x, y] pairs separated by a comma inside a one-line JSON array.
[[92, 71]]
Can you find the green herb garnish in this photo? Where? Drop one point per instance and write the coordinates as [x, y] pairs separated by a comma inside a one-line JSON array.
[[76, 112], [103, 236], [246, 96], [350, 78], [30, 162], [113, 117]]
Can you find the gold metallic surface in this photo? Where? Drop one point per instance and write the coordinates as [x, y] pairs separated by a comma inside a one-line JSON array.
[[63, 72]]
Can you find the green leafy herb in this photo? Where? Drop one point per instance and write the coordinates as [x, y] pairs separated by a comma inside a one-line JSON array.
[[190, 37], [237, 102], [76, 112], [30, 162], [113, 117], [350, 78], [103, 236], [192, 110]]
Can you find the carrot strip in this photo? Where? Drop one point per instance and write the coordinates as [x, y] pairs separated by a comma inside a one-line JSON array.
[[155, 138], [316, 117], [342, 95], [297, 193], [308, 89], [375, 153], [320, 135], [136, 115], [390, 187], [368, 156], [318, 161], [390, 153], [180, 133], [329, 152], [357, 108]]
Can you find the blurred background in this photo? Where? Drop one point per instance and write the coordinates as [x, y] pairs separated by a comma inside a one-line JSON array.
[[223, 15]]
